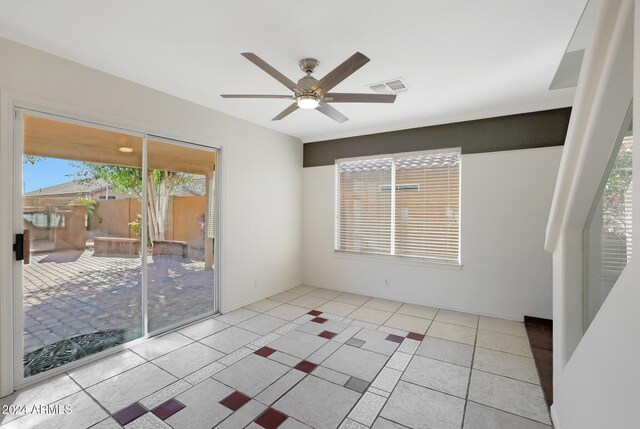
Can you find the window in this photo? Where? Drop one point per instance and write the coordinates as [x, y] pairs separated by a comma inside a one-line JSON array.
[[607, 233], [400, 204]]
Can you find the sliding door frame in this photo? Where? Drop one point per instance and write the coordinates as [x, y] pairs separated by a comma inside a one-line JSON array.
[[11, 167], [216, 302]]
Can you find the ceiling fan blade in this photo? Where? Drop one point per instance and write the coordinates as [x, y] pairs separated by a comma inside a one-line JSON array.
[[340, 73], [343, 97], [270, 70], [255, 96], [331, 112], [286, 112]]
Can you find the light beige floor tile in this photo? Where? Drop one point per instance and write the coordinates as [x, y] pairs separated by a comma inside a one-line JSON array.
[[325, 293], [506, 364], [418, 407], [383, 304], [504, 343], [284, 297], [262, 306], [503, 326], [98, 371], [157, 346], [438, 375], [230, 339], [457, 318], [202, 329], [514, 396], [188, 359], [478, 416], [352, 298], [418, 311], [408, 323], [203, 409], [302, 289], [445, 350], [237, 316], [287, 312], [371, 315], [447, 331], [337, 308], [130, 386], [308, 301], [262, 324]]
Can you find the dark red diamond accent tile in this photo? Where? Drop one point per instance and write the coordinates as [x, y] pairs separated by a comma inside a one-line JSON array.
[[315, 312], [271, 419], [415, 336], [327, 334], [130, 413], [305, 366], [395, 338], [265, 351], [167, 409], [319, 319], [235, 400]]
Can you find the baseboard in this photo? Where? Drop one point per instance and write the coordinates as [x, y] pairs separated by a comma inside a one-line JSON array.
[[461, 310], [554, 418]]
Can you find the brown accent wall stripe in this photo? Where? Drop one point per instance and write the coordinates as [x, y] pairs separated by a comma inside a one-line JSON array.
[[522, 131]]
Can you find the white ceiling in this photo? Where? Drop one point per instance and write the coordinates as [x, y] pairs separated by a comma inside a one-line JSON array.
[[462, 59]]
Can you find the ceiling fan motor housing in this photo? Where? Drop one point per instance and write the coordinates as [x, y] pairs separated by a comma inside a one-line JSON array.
[[308, 65], [306, 83]]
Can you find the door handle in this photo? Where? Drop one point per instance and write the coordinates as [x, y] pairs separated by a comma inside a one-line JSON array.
[[18, 247], [22, 254]]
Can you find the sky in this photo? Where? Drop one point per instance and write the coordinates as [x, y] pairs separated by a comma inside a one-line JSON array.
[[47, 172]]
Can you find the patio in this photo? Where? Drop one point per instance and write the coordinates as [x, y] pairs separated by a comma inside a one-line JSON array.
[[70, 293]]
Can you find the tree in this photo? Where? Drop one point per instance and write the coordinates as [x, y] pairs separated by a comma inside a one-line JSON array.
[[616, 215], [161, 184], [32, 159]]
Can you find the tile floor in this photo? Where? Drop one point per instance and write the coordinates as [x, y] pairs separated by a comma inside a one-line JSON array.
[[306, 358]]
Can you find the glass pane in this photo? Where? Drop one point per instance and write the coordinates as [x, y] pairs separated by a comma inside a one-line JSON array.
[[428, 206], [608, 232], [83, 285], [364, 206], [181, 281]]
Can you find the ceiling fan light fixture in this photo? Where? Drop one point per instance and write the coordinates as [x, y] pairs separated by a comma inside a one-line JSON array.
[[308, 101]]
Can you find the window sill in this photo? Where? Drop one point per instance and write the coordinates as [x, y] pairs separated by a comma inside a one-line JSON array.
[[399, 260]]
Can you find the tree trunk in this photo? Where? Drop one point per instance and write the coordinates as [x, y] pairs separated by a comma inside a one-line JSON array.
[[151, 211], [159, 199]]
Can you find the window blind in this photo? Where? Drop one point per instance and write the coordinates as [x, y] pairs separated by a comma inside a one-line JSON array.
[[403, 204], [364, 208], [616, 205]]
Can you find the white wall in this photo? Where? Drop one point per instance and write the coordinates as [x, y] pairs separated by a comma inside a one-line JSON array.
[[596, 380], [506, 198], [262, 169]]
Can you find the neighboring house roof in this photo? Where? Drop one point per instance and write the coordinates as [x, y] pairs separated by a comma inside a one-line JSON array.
[[69, 188]]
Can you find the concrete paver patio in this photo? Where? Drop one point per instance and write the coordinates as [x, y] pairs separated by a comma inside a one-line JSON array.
[[71, 293]]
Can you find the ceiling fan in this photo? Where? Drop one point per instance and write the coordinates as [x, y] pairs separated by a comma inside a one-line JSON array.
[[310, 93]]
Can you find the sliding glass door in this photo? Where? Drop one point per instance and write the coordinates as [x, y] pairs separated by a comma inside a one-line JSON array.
[[181, 229], [118, 237]]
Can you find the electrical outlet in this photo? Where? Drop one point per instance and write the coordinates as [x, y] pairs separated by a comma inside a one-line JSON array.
[[256, 284], [387, 282]]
